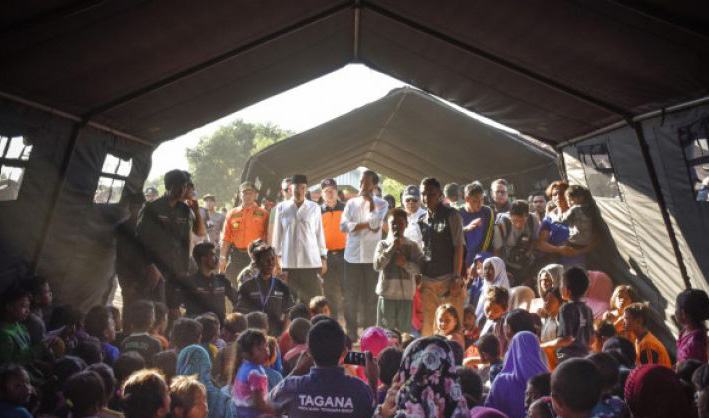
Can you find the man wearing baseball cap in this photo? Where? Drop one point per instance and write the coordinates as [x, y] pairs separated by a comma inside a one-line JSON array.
[[214, 219], [335, 239], [411, 200], [299, 241], [243, 224]]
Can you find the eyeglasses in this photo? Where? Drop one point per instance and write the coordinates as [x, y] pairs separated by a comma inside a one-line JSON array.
[[411, 200]]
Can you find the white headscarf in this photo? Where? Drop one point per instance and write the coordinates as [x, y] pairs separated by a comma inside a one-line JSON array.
[[555, 271], [500, 280]]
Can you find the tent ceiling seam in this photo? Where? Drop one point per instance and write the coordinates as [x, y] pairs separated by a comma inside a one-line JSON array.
[[181, 75], [528, 73], [385, 125]]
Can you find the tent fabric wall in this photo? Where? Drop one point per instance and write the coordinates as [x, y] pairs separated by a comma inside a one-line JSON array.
[[407, 135], [79, 252]]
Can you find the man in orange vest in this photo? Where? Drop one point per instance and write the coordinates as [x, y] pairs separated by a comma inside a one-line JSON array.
[[243, 224], [335, 241]]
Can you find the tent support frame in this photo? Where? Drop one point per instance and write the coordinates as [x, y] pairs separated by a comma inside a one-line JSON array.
[[57, 192], [654, 179]]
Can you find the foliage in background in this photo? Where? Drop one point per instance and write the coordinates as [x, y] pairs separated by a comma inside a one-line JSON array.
[[216, 162], [392, 187]]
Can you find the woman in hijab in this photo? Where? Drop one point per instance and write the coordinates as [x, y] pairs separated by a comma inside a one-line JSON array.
[[194, 360], [655, 391], [495, 274], [431, 387], [549, 277], [522, 361]]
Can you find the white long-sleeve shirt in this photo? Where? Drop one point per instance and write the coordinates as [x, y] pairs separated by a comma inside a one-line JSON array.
[[360, 245], [298, 236], [413, 230]]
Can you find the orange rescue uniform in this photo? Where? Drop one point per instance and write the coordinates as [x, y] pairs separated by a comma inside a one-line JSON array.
[[335, 239], [243, 225], [651, 351]]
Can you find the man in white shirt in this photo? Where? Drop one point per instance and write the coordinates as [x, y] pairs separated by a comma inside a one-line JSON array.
[[362, 222], [411, 200], [299, 242]]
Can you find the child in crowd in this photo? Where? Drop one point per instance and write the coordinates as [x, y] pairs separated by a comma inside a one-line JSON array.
[[142, 318], [15, 391], [67, 324], [319, 305], [476, 280], [15, 343], [396, 258], [298, 331], [579, 216], [126, 364], [89, 350], [274, 376], [608, 369], [496, 302], [622, 297], [257, 320], [84, 394], [448, 324], [691, 312], [105, 372], [250, 387], [186, 331], [575, 388], [40, 301], [490, 354], [234, 324], [471, 332], [188, 398], [166, 362], [549, 277], [575, 317], [518, 320], [145, 394], [160, 324], [648, 348], [538, 386], [99, 324], [210, 333], [472, 386], [285, 342], [389, 360], [495, 274], [550, 314], [602, 331]]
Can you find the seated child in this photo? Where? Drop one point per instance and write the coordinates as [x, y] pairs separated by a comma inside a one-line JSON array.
[[692, 311], [40, 301], [448, 324], [105, 372], [518, 320], [210, 333], [575, 388], [99, 323], [185, 332], [622, 297], [84, 394], [188, 398], [575, 317], [15, 391], [298, 331], [579, 217], [145, 394], [160, 325], [602, 330], [538, 386], [15, 343], [471, 332], [126, 364], [234, 324], [89, 350], [274, 376], [490, 354], [495, 307], [389, 361], [319, 305], [142, 318], [472, 386], [285, 342], [495, 274], [608, 369], [250, 388], [550, 314], [648, 348], [66, 324], [475, 280], [396, 258], [166, 362]]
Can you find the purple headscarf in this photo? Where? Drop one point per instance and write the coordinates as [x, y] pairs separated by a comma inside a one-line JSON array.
[[522, 361]]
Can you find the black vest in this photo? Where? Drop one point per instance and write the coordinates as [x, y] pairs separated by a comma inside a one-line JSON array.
[[438, 246]]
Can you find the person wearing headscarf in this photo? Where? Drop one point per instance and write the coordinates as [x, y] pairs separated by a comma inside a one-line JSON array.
[[431, 387], [521, 297], [194, 360], [476, 279], [494, 274], [483, 412], [522, 361], [654, 391], [549, 277]]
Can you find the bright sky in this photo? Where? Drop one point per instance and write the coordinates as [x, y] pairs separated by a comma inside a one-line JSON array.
[[297, 109]]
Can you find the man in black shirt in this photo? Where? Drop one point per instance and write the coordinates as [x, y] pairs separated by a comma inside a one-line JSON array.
[[205, 291], [164, 229], [265, 292]]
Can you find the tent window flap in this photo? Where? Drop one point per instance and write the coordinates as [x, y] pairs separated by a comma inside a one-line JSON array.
[[14, 154], [598, 170], [113, 178], [694, 139]]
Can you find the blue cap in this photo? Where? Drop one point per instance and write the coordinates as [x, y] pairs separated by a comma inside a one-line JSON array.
[[411, 192]]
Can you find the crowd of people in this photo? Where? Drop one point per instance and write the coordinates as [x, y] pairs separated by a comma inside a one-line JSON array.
[[461, 302]]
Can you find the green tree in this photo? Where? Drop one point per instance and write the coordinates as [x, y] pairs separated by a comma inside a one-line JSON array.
[[216, 162], [392, 187]]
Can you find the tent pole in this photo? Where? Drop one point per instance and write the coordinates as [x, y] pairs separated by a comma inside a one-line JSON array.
[[645, 149], [57, 192]]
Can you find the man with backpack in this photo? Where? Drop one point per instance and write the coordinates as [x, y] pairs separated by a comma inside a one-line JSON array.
[[514, 240]]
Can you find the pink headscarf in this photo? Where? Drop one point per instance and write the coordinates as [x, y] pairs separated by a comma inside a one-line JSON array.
[[654, 391]]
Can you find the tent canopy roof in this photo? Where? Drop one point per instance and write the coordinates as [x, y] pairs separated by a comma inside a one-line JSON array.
[[551, 69], [406, 135]]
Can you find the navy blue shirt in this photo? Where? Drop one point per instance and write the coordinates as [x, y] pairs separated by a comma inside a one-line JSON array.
[[325, 391]]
